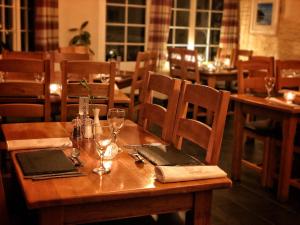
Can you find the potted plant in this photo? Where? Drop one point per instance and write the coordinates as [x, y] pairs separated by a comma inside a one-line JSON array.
[[82, 37]]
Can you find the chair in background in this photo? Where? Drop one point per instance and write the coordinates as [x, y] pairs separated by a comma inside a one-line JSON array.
[[175, 62], [103, 93], [251, 76], [3, 208], [24, 98], [151, 113], [152, 61], [210, 139], [224, 53]]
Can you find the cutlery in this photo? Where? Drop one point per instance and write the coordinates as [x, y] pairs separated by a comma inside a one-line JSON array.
[[137, 157], [63, 175]]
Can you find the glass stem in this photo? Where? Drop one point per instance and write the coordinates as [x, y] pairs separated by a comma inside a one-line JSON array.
[[114, 138], [101, 160]]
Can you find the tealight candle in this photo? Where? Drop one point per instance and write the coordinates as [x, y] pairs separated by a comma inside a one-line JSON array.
[[227, 63], [289, 97], [210, 67]]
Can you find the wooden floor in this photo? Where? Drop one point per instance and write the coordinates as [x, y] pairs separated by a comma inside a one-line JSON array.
[[246, 203]]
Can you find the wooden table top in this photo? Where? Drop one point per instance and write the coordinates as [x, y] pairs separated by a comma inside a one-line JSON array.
[[221, 72], [126, 179]]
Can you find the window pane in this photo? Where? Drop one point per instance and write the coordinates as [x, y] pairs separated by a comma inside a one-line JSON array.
[[23, 19], [9, 40], [132, 52], [213, 53], [201, 50], [115, 34], [182, 19], [216, 19], [31, 45], [117, 48], [8, 2], [136, 15], [181, 36], [183, 4], [137, 2], [23, 3], [136, 34], [202, 19], [23, 41], [170, 38], [8, 18], [116, 1], [217, 5], [201, 37], [115, 14], [214, 37], [202, 4]]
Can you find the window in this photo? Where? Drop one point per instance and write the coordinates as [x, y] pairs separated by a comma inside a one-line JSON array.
[[16, 24], [196, 23], [125, 28]]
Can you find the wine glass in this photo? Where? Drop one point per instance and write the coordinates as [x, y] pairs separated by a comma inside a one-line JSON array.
[[76, 138], [116, 118], [102, 140], [269, 84], [104, 77]]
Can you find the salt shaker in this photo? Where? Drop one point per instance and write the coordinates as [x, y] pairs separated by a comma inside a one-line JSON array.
[[88, 128]]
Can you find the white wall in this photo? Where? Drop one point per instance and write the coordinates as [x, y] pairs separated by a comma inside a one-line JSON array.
[[73, 12]]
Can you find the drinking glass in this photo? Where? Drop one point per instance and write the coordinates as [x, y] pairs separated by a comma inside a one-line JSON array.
[[116, 118], [104, 78], [269, 84], [102, 140], [76, 138]]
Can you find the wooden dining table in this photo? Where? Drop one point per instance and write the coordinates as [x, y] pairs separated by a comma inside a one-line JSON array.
[[129, 190], [279, 111], [212, 76]]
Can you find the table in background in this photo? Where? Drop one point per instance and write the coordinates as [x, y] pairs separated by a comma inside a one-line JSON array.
[[129, 190], [211, 77], [261, 106]]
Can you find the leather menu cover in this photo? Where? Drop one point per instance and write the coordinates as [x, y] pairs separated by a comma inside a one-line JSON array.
[[44, 162], [167, 155]]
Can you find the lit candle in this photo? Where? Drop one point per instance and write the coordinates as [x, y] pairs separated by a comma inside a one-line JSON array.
[[289, 97], [210, 67], [227, 63]]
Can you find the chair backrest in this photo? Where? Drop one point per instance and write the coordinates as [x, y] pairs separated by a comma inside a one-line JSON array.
[[287, 74], [23, 55], [141, 68], [175, 62], [151, 113], [152, 61], [209, 138], [230, 54], [190, 67], [25, 98], [251, 74], [74, 49], [3, 208], [242, 55], [102, 93]]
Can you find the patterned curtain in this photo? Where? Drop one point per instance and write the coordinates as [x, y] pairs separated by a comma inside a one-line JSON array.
[[230, 25], [46, 25], [160, 16]]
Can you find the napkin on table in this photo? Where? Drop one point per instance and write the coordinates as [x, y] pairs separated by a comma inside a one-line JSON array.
[[167, 174], [38, 143]]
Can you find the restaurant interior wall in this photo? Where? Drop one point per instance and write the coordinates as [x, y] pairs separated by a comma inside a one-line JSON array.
[[285, 44]]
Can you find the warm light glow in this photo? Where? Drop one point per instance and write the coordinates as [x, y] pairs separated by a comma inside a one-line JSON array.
[[227, 62], [55, 89], [210, 67], [289, 96]]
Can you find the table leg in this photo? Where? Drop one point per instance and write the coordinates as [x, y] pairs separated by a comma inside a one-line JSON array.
[[239, 121], [51, 216], [286, 161], [211, 82]]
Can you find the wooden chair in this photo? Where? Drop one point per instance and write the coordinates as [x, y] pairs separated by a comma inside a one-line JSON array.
[[251, 80], [25, 99], [223, 53], [209, 138], [175, 62], [141, 68], [152, 61], [3, 208], [103, 93], [151, 113], [242, 55]]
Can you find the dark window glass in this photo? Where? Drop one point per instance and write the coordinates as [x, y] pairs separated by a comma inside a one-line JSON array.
[[172, 18], [201, 50], [202, 19], [1, 22], [115, 34], [213, 53], [8, 18], [181, 36], [184, 4], [217, 5], [8, 2], [200, 36], [9, 40], [170, 38], [202, 4], [216, 19], [137, 2], [136, 34], [136, 15], [116, 1], [115, 14], [214, 37], [23, 3], [23, 41], [119, 49], [31, 46], [182, 19], [132, 52], [23, 19]]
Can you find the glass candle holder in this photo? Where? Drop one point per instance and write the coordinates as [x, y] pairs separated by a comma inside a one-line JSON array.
[[289, 96]]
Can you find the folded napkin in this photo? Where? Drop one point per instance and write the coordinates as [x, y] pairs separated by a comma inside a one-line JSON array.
[[282, 102], [38, 143], [167, 174]]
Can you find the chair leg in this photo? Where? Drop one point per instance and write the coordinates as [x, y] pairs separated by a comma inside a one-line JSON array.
[[272, 164], [265, 162]]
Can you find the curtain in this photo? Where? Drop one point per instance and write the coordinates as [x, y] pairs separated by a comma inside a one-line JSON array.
[[229, 37], [160, 16], [46, 25]]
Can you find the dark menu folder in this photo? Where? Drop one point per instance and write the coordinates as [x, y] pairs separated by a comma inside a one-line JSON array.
[[167, 155], [43, 162]]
